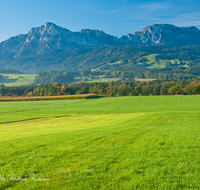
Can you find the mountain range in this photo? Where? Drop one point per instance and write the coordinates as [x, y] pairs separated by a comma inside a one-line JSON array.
[[40, 41]]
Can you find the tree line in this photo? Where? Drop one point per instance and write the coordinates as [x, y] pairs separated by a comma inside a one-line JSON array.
[[131, 88], [126, 74]]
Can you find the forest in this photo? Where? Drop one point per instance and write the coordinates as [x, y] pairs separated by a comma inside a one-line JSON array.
[[52, 77], [131, 88]]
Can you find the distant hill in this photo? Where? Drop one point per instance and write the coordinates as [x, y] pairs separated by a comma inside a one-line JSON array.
[[50, 47]]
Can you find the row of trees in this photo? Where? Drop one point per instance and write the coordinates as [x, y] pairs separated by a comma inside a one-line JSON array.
[[52, 77], [132, 88], [126, 74]]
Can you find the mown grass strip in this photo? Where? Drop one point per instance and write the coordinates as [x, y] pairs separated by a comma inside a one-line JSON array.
[[43, 98]]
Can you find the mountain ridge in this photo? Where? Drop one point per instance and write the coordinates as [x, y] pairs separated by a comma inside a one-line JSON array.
[[50, 37], [50, 47]]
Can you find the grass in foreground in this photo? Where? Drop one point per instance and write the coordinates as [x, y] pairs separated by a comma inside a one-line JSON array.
[[110, 143]]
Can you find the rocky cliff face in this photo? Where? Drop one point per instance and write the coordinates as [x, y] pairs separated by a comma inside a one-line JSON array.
[[50, 37], [163, 34]]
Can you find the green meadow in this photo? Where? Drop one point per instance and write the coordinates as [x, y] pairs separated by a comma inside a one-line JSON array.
[[26, 79], [144, 142], [153, 62], [18, 79]]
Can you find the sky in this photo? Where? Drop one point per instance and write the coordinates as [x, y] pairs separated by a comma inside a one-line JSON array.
[[115, 17]]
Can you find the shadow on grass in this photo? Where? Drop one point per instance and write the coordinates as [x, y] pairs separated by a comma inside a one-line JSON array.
[[27, 119], [34, 118]]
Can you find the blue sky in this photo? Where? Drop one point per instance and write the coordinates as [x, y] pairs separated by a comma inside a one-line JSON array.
[[115, 17]]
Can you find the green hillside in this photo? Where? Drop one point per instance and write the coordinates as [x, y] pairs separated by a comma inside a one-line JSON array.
[[110, 143], [107, 58]]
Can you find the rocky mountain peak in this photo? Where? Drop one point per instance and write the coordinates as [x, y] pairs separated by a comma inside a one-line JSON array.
[[46, 29], [163, 34]]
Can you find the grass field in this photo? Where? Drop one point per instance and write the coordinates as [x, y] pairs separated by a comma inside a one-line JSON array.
[[19, 79], [25, 79], [109, 143]]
